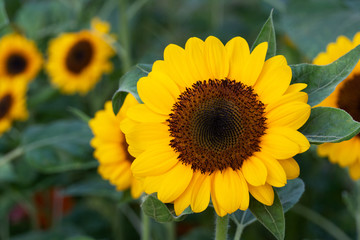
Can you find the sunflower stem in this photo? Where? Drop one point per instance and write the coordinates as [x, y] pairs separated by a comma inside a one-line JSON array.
[[239, 231], [221, 227], [170, 227], [124, 36], [321, 221], [357, 212], [145, 226]]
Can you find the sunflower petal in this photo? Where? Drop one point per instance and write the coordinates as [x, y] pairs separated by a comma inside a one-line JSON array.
[[264, 193], [254, 171], [216, 58], [290, 167]]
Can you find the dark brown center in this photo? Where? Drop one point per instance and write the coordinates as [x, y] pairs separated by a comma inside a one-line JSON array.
[[79, 56], [216, 124], [5, 105], [349, 97], [15, 64]]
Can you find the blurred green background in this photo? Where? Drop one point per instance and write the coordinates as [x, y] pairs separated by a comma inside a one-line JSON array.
[[54, 192]]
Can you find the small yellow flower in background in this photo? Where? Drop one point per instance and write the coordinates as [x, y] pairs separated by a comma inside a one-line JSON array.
[[111, 148], [346, 96], [19, 58], [12, 103], [217, 121], [78, 60]]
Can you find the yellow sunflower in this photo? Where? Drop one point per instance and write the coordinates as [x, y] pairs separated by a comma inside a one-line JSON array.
[[19, 58], [12, 103], [77, 60], [346, 96], [111, 148], [217, 121]]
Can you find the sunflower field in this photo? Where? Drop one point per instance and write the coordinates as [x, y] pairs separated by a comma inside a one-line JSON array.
[[190, 119]]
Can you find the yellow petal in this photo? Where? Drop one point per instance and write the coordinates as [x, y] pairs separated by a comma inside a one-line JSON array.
[[142, 113], [194, 49], [254, 171], [279, 146], [136, 188], [216, 58], [292, 115], [148, 134], [239, 52], [184, 200], [296, 87], [219, 211], [158, 93], [226, 190], [274, 79], [177, 65], [154, 161], [243, 191], [292, 135], [288, 99], [275, 173], [354, 171], [290, 167], [200, 197], [264, 193], [175, 182], [254, 65]]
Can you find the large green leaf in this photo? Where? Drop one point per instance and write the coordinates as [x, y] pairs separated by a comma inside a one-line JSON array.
[[59, 146], [128, 85], [159, 211], [272, 217], [322, 80], [329, 125], [267, 34], [312, 24]]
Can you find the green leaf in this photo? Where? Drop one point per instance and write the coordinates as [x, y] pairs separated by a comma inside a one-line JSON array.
[[4, 20], [59, 146], [289, 195], [156, 209], [272, 217], [267, 34], [329, 125], [128, 85], [94, 186], [312, 24], [322, 80]]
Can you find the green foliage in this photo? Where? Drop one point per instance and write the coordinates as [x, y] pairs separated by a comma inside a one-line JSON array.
[[59, 146], [329, 125], [272, 217], [322, 80], [267, 34], [156, 209], [3, 15], [314, 24], [128, 85]]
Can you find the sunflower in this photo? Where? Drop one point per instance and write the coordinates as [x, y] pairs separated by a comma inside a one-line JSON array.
[[12, 103], [346, 96], [19, 58], [77, 60], [216, 122], [111, 148]]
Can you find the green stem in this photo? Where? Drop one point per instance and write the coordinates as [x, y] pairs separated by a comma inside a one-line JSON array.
[[170, 227], [239, 231], [221, 227], [357, 212], [145, 226], [124, 35], [321, 221]]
